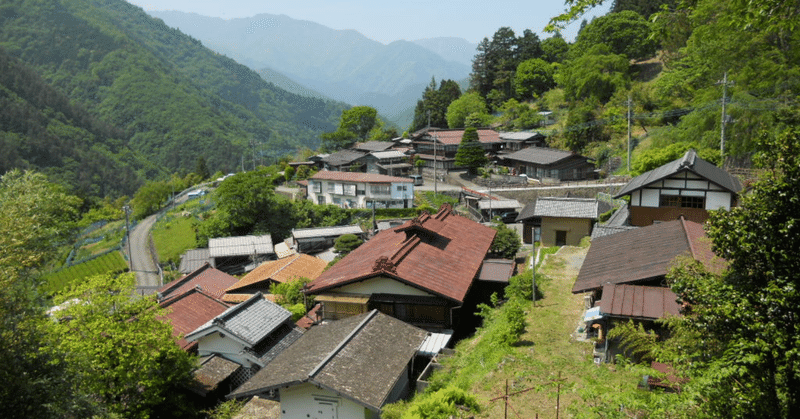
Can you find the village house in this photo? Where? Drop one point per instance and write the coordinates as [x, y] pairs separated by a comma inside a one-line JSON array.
[[236, 255], [211, 281], [515, 141], [688, 187], [250, 334], [348, 368], [361, 190], [345, 160], [317, 239], [189, 310], [421, 272], [441, 146], [549, 164], [389, 162], [287, 269], [623, 276], [560, 221]]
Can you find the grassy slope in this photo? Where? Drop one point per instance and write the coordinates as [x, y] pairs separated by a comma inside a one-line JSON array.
[[545, 352]]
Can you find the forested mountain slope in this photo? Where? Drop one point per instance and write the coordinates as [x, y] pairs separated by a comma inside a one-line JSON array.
[[170, 98], [342, 64]]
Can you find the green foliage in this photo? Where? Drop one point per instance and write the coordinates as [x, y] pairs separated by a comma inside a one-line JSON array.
[[441, 404], [555, 49], [468, 104], [594, 75], [201, 169], [654, 158], [173, 235], [346, 243], [150, 198], [750, 371], [533, 77], [626, 33], [434, 103], [124, 355], [106, 210], [288, 173], [520, 285], [506, 242], [108, 263], [360, 123], [470, 152], [637, 342], [290, 293]]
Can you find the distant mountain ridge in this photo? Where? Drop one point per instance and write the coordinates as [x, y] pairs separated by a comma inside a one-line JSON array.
[[341, 64], [166, 99]]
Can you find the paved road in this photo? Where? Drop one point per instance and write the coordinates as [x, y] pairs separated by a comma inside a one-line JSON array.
[[148, 278]]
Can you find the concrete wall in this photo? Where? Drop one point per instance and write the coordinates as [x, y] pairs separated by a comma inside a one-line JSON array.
[[576, 229]]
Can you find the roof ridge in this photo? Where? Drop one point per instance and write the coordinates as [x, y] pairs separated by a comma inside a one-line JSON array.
[[689, 238], [405, 248], [286, 265], [689, 158], [342, 344], [186, 278]]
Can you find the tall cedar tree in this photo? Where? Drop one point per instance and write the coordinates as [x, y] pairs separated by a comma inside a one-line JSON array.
[[470, 153]]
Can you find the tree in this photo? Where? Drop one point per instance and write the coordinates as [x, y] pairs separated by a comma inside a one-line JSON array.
[[459, 109], [360, 123], [470, 152], [532, 78], [555, 49], [35, 217], [626, 33], [596, 74], [150, 198], [434, 103], [346, 243], [506, 242], [123, 354], [202, 169], [747, 361]]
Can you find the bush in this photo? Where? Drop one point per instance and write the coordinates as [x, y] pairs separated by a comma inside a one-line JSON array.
[[441, 404], [346, 243]]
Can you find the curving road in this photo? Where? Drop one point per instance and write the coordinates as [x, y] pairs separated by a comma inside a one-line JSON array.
[[142, 262]]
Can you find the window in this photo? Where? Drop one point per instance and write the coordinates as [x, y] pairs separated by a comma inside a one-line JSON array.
[[316, 187], [331, 187], [350, 190], [401, 188], [682, 201], [380, 189]]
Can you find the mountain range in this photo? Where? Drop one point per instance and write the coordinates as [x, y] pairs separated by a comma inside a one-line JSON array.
[[97, 91], [340, 64]]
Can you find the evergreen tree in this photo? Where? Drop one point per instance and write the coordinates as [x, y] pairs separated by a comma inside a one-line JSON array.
[[470, 152]]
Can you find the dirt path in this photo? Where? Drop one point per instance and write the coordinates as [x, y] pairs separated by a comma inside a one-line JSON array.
[[141, 259]]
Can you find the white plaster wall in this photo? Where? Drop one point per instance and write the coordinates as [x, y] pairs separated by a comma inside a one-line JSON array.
[[298, 402], [697, 184], [717, 200], [381, 285], [213, 343], [650, 198], [674, 183]]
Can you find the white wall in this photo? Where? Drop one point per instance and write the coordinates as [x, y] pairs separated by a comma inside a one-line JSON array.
[[381, 285], [717, 200], [229, 348], [301, 402]]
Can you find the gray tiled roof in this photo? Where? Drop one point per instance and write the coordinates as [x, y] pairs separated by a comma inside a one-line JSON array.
[[193, 259], [359, 357], [497, 204], [240, 246], [539, 155], [374, 146], [250, 321], [519, 136], [567, 207], [691, 162], [343, 157]]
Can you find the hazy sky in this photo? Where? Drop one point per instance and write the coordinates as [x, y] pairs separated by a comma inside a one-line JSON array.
[[387, 21]]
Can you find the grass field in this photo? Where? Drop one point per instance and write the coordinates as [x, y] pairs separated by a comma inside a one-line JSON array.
[[549, 367], [173, 235], [111, 262]]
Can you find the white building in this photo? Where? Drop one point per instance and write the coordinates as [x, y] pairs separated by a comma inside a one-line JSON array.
[[361, 190]]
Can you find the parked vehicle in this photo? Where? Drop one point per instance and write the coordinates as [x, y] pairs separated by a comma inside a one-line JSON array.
[[509, 217], [418, 180]]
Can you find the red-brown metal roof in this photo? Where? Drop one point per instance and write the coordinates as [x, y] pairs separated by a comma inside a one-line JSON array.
[[638, 301], [190, 310]]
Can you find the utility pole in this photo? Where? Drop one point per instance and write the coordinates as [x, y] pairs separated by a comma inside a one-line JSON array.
[[629, 133], [724, 82], [435, 163]]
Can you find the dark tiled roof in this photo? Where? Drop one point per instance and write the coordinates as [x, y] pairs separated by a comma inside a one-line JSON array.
[[212, 371], [358, 177], [638, 301], [439, 253], [343, 157], [212, 281], [689, 162], [539, 155], [527, 212], [359, 357], [643, 254], [374, 146], [249, 321], [190, 310]]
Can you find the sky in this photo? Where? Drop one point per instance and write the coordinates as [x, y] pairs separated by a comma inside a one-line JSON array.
[[389, 21]]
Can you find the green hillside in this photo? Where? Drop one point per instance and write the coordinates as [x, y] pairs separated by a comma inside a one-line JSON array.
[[163, 95]]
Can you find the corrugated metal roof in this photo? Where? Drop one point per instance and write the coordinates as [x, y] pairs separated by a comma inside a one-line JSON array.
[[391, 154], [435, 342], [566, 207], [497, 270], [240, 246], [519, 136], [638, 301], [539, 155], [359, 177], [193, 259], [308, 233]]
